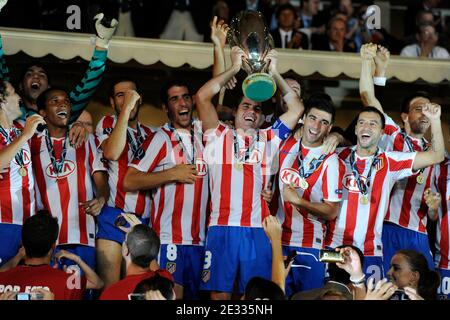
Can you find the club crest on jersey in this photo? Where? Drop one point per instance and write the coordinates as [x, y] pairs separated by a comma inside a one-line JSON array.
[[380, 164], [255, 156], [290, 177], [202, 168], [26, 157], [349, 183], [67, 169], [171, 267], [206, 275]]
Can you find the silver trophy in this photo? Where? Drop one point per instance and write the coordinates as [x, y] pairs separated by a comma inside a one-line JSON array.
[[249, 32]]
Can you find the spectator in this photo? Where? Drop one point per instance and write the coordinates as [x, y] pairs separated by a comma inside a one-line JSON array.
[[335, 39], [221, 10], [423, 16], [39, 234], [414, 8], [140, 249], [426, 45], [156, 288], [262, 289], [345, 10], [255, 5], [184, 19], [286, 36], [272, 22]]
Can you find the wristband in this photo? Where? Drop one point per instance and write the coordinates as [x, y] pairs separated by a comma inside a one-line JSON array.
[[358, 281], [379, 81], [281, 130]]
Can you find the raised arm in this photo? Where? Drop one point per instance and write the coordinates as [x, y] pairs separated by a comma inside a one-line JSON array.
[[436, 153], [295, 107], [205, 109], [366, 86], [114, 145], [218, 37], [80, 96]]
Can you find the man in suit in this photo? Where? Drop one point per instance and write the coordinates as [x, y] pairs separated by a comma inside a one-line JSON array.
[[286, 36]]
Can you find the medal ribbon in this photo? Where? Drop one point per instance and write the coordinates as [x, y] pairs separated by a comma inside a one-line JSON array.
[[183, 147], [136, 145], [363, 187], [248, 151], [56, 164], [411, 146], [19, 155], [313, 165]]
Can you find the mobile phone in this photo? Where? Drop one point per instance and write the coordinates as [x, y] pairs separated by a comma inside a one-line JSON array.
[[399, 294], [291, 256], [330, 256], [23, 296], [136, 296]]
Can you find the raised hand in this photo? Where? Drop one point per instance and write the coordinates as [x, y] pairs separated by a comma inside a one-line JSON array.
[[131, 99], [381, 61], [271, 59], [104, 34], [219, 32], [31, 125], [368, 51], [432, 111], [237, 56], [3, 3], [383, 290]]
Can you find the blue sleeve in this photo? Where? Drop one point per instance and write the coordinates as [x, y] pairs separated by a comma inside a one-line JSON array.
[[281, 130]]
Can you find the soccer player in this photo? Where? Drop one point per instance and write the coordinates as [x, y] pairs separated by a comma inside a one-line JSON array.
[[64, 177], [34, 80], [310, 184], [17, 201], [370, 174], [241, 162], [120, 137], [173, 165], [406, 217], [39, 236]]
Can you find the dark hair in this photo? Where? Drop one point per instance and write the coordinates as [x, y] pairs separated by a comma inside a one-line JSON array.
[[172, 83], [407, 101], [260, 288], [27, 67], [143, 244], [115, 82], [421, 13], [321, 101], [3, 93], [157, 282], [286, 6], [39, 234], [429, 280], [340, 275], [374, 110], [42, 99], [333, 20]]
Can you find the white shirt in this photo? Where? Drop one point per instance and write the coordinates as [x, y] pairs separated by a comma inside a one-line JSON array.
[[283, 35], [414, 50]]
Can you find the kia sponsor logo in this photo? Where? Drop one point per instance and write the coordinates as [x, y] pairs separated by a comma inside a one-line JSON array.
[[202, 168], [67, 169], [290, 177], [349, 182], [255, 156], [26, 157]]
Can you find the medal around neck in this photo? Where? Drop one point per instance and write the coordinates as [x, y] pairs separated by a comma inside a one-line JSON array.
[[249, 32], [364, 199], [420, 179]]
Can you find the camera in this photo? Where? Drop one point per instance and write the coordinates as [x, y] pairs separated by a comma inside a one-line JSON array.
[[399, 295], [29, 296], [291, 256], [120, 221], [330, 256], [136, 296]]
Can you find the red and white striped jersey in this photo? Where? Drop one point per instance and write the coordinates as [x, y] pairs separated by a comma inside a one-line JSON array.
[[442, 185], [361, 224], [301, 228], [178, 210], [236, 189], [17, 198], [62, 195], [137, 202], [407, 207]]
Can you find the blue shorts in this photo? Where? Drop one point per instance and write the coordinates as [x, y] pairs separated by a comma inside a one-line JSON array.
[[235, 253], [105, 225], [398, 238], [10, 241], [86, 253], [307, 272], [184, 262], [444, 288]]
